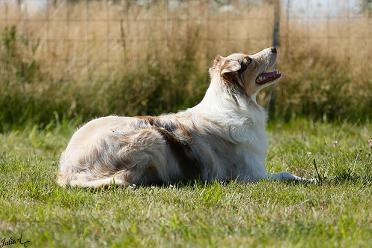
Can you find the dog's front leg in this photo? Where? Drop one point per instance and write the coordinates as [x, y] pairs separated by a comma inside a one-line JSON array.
[[286, 176]]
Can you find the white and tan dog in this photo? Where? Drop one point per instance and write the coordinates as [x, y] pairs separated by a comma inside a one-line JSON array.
[[222, 138]]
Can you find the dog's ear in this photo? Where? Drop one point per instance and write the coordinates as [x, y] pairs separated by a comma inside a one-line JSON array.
[[230, 73], [230, 66], [218, 60]]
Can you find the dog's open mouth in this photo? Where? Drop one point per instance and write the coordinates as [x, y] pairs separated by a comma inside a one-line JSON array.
[[267, 77]]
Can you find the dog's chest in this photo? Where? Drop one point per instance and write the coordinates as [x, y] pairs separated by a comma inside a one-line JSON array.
[[249, 135], [225, 159]]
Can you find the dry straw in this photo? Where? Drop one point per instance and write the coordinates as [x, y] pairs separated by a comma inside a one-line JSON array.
[[154, 57]]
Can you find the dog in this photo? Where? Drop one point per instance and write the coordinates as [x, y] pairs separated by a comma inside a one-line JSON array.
[[221, 138]]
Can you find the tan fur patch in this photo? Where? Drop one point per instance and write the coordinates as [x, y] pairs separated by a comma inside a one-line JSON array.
[[216, 61]]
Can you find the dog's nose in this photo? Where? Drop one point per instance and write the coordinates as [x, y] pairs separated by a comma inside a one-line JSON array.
[[273, 49]]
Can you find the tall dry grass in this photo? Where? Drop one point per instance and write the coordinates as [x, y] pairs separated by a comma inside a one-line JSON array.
[[93, 58], [328, 68]]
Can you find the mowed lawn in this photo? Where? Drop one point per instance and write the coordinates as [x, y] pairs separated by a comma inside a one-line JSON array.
[[336, 213]]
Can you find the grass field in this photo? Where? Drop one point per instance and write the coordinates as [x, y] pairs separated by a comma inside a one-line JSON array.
[[336, 213]]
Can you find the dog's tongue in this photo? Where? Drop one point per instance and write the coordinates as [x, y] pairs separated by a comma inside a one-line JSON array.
[[268, 77]]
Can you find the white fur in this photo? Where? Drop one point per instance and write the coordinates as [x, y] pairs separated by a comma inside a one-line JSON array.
[[224, 136]]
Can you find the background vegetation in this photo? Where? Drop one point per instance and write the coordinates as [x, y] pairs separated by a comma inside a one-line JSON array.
[[85, 60]]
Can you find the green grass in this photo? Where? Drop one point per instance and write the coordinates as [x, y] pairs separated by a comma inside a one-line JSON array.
[[336, 213]]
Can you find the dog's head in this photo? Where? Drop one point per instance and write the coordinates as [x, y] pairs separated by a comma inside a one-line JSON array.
[[247, 73]]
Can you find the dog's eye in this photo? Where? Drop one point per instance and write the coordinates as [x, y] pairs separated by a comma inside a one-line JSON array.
[[247, 60], [243, 66], [244, 63]]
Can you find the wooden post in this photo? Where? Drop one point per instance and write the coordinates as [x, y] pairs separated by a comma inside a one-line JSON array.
[[276, 26]]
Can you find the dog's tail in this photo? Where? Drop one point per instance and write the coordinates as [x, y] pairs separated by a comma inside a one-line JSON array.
[[88, 179]]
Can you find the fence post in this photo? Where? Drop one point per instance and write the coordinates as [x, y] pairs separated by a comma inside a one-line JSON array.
[[276, 26]]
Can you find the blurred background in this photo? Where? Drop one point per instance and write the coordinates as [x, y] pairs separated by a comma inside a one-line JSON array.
[[78, 59]]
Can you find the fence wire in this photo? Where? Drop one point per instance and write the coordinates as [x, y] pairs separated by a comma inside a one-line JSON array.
[[84, 35]]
